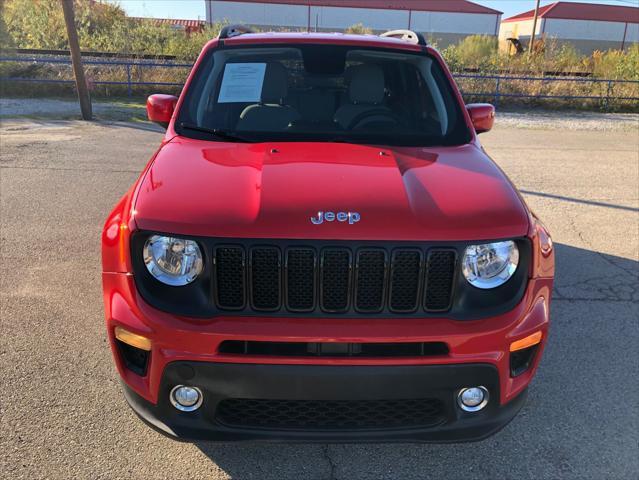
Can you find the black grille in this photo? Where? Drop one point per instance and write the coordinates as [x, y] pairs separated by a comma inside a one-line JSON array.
[[371, 273], [230, 278], [405, 280], [265, 278], [300, 279], [333, 280], [440, 273], [336, 279], [329, 414]]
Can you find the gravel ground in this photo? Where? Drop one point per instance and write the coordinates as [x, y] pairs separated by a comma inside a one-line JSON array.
[[48, 108], [542, 119], [62, 414], [569, 120]]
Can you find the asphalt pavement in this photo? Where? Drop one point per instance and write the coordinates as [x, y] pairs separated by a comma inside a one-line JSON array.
[[62, 413]]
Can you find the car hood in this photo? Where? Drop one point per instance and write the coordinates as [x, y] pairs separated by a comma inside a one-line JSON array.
[[271, 190]]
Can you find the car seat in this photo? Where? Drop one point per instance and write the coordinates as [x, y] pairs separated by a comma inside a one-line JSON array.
[[365, 93], [270, 114]]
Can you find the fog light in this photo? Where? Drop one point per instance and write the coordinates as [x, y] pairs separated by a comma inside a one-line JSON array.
[[186, 399], [472, 399]]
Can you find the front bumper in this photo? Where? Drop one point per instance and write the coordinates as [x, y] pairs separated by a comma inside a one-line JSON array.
[[318, 384], [478, 355]]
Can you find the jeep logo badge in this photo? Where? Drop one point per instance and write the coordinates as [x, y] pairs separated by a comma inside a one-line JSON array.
[[350, 217]]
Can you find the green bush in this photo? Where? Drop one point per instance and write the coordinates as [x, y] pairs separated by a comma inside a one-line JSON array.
[[566, 59], [474, 51], [188, 47], [359, 29], [101, 27], [617, 64], [480, 52]]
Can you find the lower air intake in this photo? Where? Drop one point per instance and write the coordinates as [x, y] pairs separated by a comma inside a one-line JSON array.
[[329, 414]]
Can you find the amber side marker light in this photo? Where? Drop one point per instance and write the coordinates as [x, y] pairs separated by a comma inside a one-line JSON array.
[[133, 339], [122, 234], [526, 342]]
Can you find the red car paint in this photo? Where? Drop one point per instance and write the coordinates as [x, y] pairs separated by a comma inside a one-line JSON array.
[[237, 190], [245, 190]]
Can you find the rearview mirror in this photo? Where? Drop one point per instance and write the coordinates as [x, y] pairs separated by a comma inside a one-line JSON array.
[[160, 107], [482, 116]]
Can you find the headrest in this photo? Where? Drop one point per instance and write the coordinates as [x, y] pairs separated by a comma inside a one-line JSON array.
[[275, 86], [367, 84]]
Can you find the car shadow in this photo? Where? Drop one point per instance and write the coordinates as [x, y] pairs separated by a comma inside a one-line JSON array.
[[556, 434], [579, 201]]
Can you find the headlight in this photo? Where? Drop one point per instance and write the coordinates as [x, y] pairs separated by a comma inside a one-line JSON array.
[[174, 261], [490, 265]]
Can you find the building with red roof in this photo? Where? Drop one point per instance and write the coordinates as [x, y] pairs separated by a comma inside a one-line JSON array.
[[587, 26], [442, 21], [189, 26]]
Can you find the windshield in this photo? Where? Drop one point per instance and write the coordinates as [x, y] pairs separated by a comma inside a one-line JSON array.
[[322, 93]]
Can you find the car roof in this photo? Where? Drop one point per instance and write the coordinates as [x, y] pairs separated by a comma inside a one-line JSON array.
[[321, 39]]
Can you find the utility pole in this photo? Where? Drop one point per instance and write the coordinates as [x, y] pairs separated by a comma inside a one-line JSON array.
[[76, 60], [531, 46]]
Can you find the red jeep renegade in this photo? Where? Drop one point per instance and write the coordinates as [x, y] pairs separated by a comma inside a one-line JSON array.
[[321, 250]]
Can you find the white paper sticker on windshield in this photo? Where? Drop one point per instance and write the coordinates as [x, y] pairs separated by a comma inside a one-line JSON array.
[[242, 82]]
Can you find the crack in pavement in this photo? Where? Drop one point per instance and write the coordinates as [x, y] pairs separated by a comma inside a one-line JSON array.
[[621, 289], [591, 300], [330, 461], [593, 249]]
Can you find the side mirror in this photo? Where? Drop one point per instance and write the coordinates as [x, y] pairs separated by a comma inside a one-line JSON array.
[[482, 115], [160, 107]]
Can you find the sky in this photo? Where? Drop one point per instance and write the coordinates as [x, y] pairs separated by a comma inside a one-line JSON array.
[[194, 9]]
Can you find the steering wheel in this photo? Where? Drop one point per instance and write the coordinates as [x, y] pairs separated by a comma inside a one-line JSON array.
[[373, 113]]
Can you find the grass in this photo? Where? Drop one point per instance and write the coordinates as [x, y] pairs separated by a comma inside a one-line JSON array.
[[122, 111]]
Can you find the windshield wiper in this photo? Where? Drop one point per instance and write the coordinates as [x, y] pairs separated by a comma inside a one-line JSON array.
[[221, 134]]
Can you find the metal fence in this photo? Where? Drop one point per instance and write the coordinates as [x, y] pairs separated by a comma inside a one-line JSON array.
[[128, 67], [610, 90], [131, 73]]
